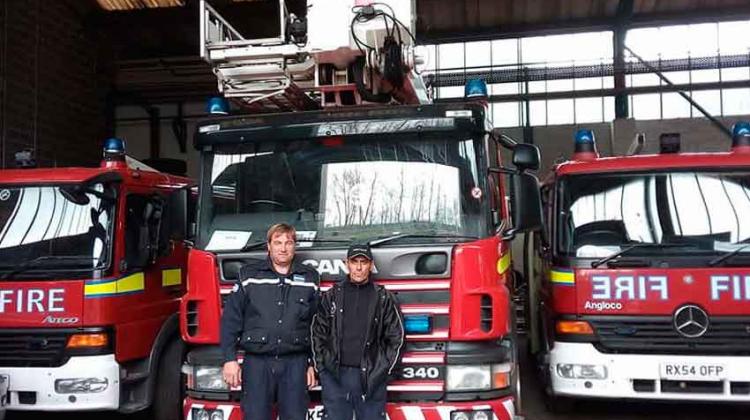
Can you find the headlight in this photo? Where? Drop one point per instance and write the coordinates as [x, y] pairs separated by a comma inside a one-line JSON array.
[[478, 377], [572, 371], [208, 378]]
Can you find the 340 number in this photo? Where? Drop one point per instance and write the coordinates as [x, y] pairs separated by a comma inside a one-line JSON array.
[[421, 373]]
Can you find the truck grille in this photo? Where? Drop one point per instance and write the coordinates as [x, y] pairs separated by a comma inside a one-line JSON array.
[[32, 349], [725, 335]]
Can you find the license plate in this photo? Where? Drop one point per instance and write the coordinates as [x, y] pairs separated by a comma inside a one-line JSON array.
[[693, 371], [315, 413]]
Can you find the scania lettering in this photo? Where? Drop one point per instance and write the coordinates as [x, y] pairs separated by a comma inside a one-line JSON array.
[[92, 270], [639, 288], [365, 157]]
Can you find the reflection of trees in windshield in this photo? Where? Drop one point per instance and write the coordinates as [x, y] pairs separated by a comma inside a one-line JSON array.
[[383, 193], [42, 220], [613, 210], [360, 188]]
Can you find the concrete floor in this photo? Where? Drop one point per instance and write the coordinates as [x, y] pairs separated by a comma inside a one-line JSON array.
[[533, 408]]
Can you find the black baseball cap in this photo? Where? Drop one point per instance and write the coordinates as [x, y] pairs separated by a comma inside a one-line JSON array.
[[359, 250]]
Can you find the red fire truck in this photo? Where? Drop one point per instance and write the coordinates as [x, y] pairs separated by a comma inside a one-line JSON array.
[[639, 284], [91, 273], [365, 157]]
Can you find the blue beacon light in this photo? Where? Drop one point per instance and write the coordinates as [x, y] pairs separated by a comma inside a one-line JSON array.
[[741, 136], [585, 145], [217, 105], [475, 88], [114, 148]]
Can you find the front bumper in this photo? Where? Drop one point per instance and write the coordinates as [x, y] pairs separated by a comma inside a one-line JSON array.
[[638, 376], [502, 408], [34, 388]]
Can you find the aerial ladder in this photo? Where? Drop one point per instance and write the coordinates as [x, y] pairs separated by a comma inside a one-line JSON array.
[[343, 52]]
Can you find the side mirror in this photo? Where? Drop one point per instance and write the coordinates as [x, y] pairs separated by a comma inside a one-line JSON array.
[[526, 157], [526, 205]]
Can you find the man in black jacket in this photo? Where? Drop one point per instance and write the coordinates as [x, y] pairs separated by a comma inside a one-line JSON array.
[[269, 314], [357, 337]]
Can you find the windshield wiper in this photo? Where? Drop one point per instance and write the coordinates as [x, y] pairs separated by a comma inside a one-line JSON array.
[[627, 249], [376, 242], [34, 262], [720, 259]]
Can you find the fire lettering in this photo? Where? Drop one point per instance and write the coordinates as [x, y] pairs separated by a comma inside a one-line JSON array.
[[32, 300], [737, 286], [629, 287]]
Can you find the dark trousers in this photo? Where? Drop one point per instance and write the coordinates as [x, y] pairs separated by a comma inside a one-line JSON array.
[[343, 397], [268, 379]]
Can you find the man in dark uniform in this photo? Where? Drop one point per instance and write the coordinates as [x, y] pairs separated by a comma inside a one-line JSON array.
[[357, 337], [268, 314]]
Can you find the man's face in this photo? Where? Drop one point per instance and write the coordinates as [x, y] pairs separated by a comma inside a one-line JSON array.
[[359, 269], [281, 249]]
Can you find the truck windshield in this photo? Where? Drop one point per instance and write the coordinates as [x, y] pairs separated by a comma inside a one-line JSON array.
[[343, 188], [43, 223], [708, 212]]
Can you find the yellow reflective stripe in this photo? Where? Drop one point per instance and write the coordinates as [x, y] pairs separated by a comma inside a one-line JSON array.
[[562, 277], [132, 283], [503, 263], [95, 289], [129, 284], [172, 277]]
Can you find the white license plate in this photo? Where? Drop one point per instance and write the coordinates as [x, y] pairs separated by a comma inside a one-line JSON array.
[[693, 371], [315, 413]]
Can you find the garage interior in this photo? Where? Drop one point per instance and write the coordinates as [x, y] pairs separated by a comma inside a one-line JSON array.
[[75, 72]]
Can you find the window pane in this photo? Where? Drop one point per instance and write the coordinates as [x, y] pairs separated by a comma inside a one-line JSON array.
[[703, 39], [505, 114], [705, 76], [560, 111], [609, 108], [641, 41], [538, 86], [588, 83], [451, 56], [643, 80], [505, 51], [739, 73], [588, 110], [538, 110], [736, 101], [478, 54], [451, 92], [675, 106], [673, 41], [733, 37], [710, 100], [646, 107], [678, 77], [504, 89], [559, 85]]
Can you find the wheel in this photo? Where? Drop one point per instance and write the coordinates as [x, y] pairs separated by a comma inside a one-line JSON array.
[[169, 389]]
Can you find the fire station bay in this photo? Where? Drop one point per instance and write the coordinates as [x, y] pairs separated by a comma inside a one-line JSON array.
[[381, 210]]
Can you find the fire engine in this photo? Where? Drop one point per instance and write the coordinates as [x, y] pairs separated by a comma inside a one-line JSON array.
[[92, 269], [638, 284], [359, 154]]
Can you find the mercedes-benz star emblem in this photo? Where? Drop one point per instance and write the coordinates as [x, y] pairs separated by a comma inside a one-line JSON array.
[[690, 321]]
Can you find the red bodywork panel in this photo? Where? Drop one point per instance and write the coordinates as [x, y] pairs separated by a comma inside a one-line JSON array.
[[475, 274], [202, 299], [134, 315], [720, 291], [29, 303]]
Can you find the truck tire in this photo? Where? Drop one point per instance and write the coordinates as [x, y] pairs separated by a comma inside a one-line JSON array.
[[169, 389]]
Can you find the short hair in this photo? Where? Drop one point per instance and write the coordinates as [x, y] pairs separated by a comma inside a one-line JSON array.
[[279, 228]]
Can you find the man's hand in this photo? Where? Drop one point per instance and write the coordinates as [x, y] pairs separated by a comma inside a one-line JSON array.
[[311, 381], [232, 374]]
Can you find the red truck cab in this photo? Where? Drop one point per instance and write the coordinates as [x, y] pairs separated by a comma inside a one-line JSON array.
[[91, 274], [639, 283], [423, 185]]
